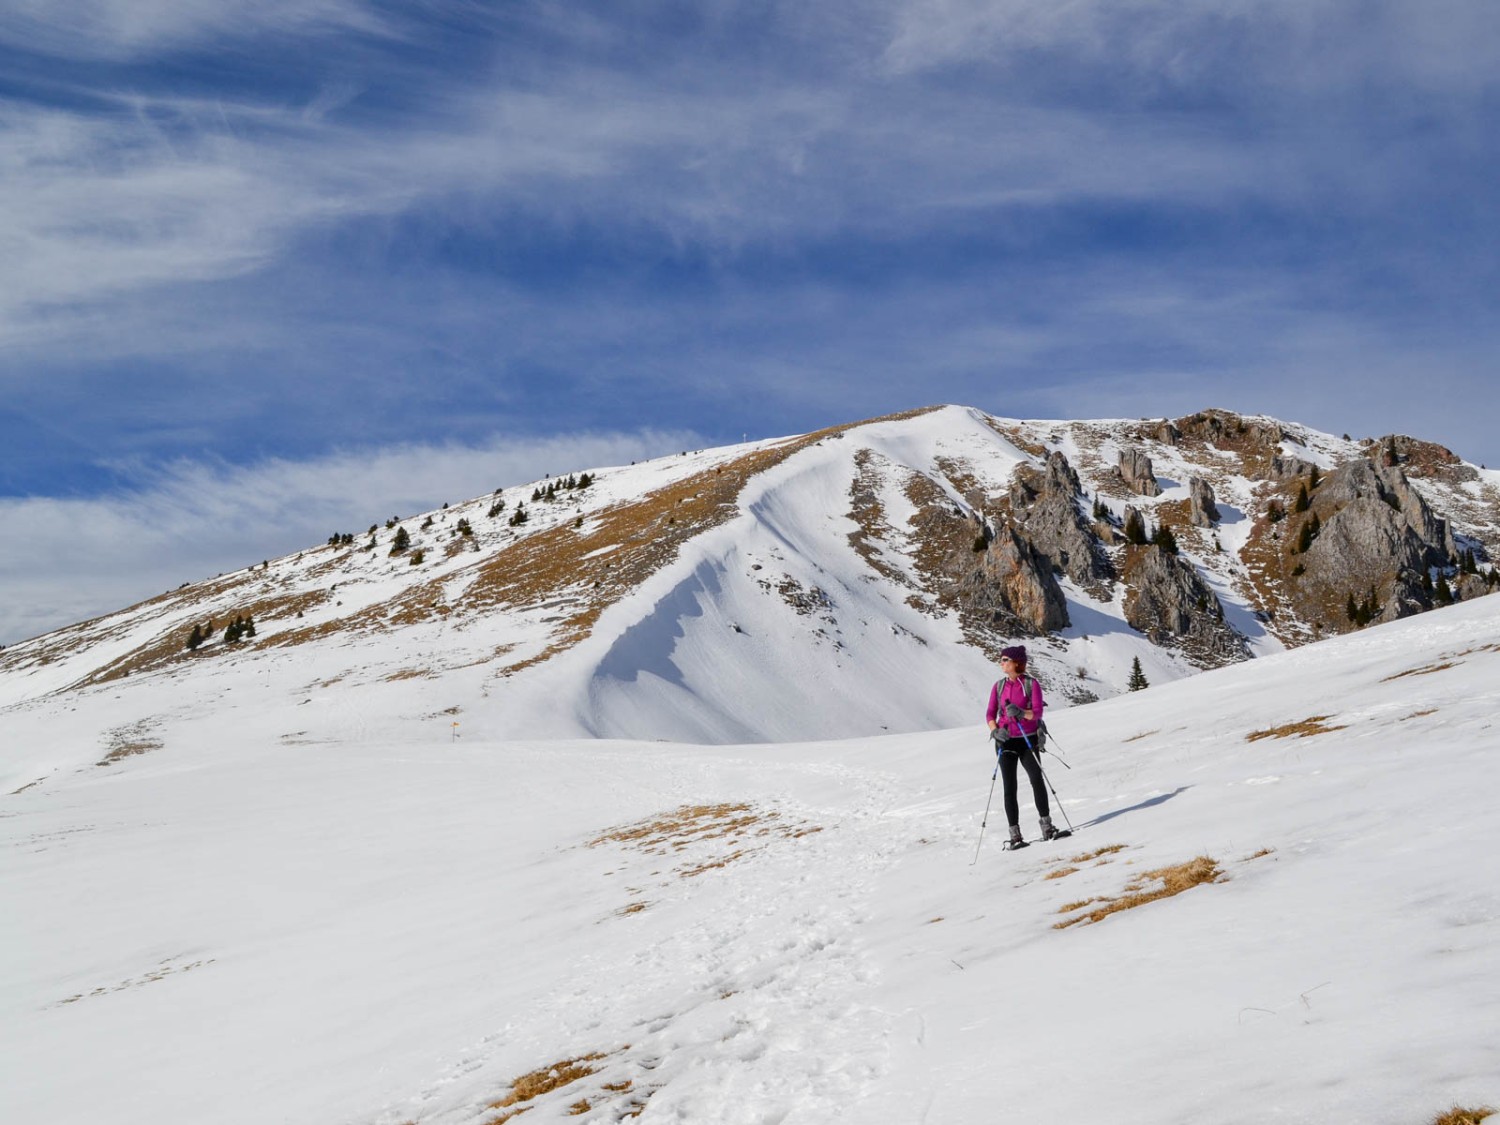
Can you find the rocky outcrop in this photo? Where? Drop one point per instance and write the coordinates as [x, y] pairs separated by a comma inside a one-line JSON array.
[[1135, 470], [1368, 538], [1363, 480], [1285, 467], [1202, 509], [1000, 585], [1014, 584], [1170, 603], [1258, 442], [1045, 510]]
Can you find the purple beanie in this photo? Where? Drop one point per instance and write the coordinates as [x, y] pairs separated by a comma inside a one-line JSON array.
[[1015, 652]]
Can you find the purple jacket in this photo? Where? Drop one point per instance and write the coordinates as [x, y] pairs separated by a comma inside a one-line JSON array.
[[1006, 691]]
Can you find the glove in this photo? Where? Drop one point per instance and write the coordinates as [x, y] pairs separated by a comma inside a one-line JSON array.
[[997, 735], [1012, 710]]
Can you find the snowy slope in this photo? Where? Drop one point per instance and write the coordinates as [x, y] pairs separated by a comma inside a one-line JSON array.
[[316, 913]]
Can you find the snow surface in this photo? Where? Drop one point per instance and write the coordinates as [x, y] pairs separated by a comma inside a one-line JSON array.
[[332, 911]]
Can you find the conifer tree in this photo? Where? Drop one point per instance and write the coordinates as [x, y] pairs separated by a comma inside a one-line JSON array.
[[195, 639], [1165, 539], [1135, 528], [1138, 679], [1301, 503], [401, 541], [1443, 591]]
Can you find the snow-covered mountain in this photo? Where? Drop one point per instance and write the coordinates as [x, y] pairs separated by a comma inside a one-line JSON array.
[[858, 580], [319, 906]]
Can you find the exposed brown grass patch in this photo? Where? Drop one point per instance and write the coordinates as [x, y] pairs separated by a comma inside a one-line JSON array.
[[127, 741], [1262, 852], [1172, 881], [1418, 714], [1458, 1115], [529, 1087], [1138, 737], [408, 674], [1108, 849], [169, 647], [1061, 872], [732, 830], [1305, 728], [868, 514], [1425, 670]]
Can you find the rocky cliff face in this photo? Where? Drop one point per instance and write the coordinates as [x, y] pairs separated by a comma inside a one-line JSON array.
[[1043, 504], [1170, 603]]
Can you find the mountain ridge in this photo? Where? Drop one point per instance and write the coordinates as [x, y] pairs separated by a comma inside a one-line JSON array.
[[895, 554]]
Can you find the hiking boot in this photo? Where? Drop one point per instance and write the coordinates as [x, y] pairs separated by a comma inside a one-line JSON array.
[[1015, 840], [1048, 832]]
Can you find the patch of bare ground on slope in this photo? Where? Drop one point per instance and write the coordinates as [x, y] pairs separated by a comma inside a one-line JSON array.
[[169, 648], [574, 571], [129, 740], [941, 534], [1270, 582], [706, 837], [74, 640], [1170, 881], [1304, 728], [1461, 1115], [528, 1090], [872, 529]]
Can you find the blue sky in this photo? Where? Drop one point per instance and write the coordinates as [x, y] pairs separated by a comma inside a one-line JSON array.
[[251, 247]]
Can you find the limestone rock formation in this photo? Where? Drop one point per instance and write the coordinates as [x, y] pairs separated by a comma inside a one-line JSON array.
[[1013, 581], [1171, 604], [1135, 470], [1203, 510], [1376, 539], [1044, 507]]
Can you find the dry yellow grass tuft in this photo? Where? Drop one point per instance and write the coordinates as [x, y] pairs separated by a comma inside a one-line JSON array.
[[1425, 670], [1173, 881], [1458, 1115], [1304, 729], [734, 827], [1109, 849], [531, 1086], [1061, 872]]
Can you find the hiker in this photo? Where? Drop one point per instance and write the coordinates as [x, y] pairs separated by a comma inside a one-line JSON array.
[[1015, 718]]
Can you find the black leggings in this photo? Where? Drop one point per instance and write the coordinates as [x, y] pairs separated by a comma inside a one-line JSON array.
[[1014, 750]]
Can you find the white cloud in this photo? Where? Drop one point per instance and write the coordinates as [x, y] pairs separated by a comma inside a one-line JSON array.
[[122, 29], [67, 559]]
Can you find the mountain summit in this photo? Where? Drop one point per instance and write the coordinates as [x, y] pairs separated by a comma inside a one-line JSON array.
[[855, 580]]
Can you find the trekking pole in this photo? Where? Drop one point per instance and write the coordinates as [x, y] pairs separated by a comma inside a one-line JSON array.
[[1055, 797], [989, 799]]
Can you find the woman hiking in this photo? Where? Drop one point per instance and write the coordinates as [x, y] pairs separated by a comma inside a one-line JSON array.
[[1015, 717]]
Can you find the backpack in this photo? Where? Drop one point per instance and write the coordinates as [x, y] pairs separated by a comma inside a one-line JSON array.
[[1028, 687]]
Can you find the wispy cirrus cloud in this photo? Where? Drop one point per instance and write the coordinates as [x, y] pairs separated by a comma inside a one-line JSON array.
[[252, 231]]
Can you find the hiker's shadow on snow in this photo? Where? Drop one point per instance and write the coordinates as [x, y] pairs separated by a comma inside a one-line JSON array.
[[1146, 804]]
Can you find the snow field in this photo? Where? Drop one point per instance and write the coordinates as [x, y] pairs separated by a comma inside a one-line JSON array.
[[373, 932]]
